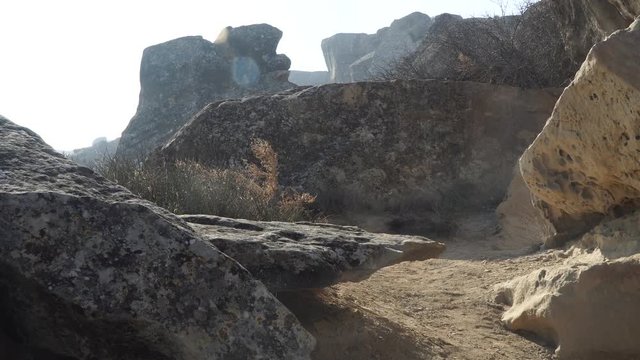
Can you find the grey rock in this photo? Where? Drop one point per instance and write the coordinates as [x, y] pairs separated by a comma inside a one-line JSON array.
[[89, 271], [179, 77], [359, 57], [342, 50], [396, 156], [584, 23], [296, 256]]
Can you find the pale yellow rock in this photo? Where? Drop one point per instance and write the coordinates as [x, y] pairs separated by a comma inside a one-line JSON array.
[[521, 224], [587, 307], [585, 162]]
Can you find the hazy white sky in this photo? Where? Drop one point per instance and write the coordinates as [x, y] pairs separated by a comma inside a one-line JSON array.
[[69, 68]]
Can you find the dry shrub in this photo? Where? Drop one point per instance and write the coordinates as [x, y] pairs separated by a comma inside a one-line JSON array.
[[187, 187]]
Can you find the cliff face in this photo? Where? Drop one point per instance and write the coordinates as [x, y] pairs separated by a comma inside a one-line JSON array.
[[359, 57], [583, 23], [406, 153], [181, 76]]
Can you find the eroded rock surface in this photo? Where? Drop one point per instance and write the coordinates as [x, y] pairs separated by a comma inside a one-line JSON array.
[[359, 57], [179, 77], [89, 271], [396, 156], [286, 256], [587, 307], [583, 165], [584, 23]]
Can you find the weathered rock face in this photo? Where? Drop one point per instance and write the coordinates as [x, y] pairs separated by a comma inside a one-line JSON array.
[[98, 151], [286, 256], [521, 223], [387, 149], [584, 23], [588, 308], [358, 57], [342, 50], [308, 78], [89, 271], [583, 165], [179, 77], [524, 50]]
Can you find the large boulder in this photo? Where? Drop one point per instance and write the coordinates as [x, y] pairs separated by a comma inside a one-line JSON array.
[[587, 307], [179, 77], [583, 165], [395, 156], [584, 23], [89, 271], [288, 256], [522, 50], [342, 50], [359, 57]]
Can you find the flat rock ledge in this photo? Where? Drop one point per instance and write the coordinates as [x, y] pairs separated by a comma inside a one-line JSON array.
[[296, 256]]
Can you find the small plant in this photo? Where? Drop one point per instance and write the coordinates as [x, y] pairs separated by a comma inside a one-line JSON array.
[[188, 187]]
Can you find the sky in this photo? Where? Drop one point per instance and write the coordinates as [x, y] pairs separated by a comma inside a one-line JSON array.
[[69, 69]]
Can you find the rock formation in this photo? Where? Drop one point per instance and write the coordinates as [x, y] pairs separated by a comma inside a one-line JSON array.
[[179, 77], [523, 50], [582, 170], [588, 307], [521, 224], [286, 256], [89, 271], [543, 46], [99, 150], [389, 156], [584, 23], [308, 78], [358, 57], [583, 165]]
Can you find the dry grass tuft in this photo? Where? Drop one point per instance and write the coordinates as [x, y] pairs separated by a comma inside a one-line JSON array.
[[187, 187]]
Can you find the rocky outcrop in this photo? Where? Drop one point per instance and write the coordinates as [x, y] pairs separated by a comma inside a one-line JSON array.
[[588, 307], [89, 271], [179, 77], [524, 50], [308, 78], [584, 23], [286, 256], [394, 156], [583, 165], [358, 57], [99, 150]]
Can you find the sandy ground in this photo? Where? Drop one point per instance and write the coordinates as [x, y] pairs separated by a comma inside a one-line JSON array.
[[436, 309]]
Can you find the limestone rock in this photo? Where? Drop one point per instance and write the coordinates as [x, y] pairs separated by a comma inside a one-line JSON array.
[[522, 225], [100, 149], [179, 77], [286, 256], [359, 57], [89, 271], [587, 307], [583, 165], [395, 156]]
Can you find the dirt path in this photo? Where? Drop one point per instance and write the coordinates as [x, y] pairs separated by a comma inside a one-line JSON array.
[[435, 309]]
